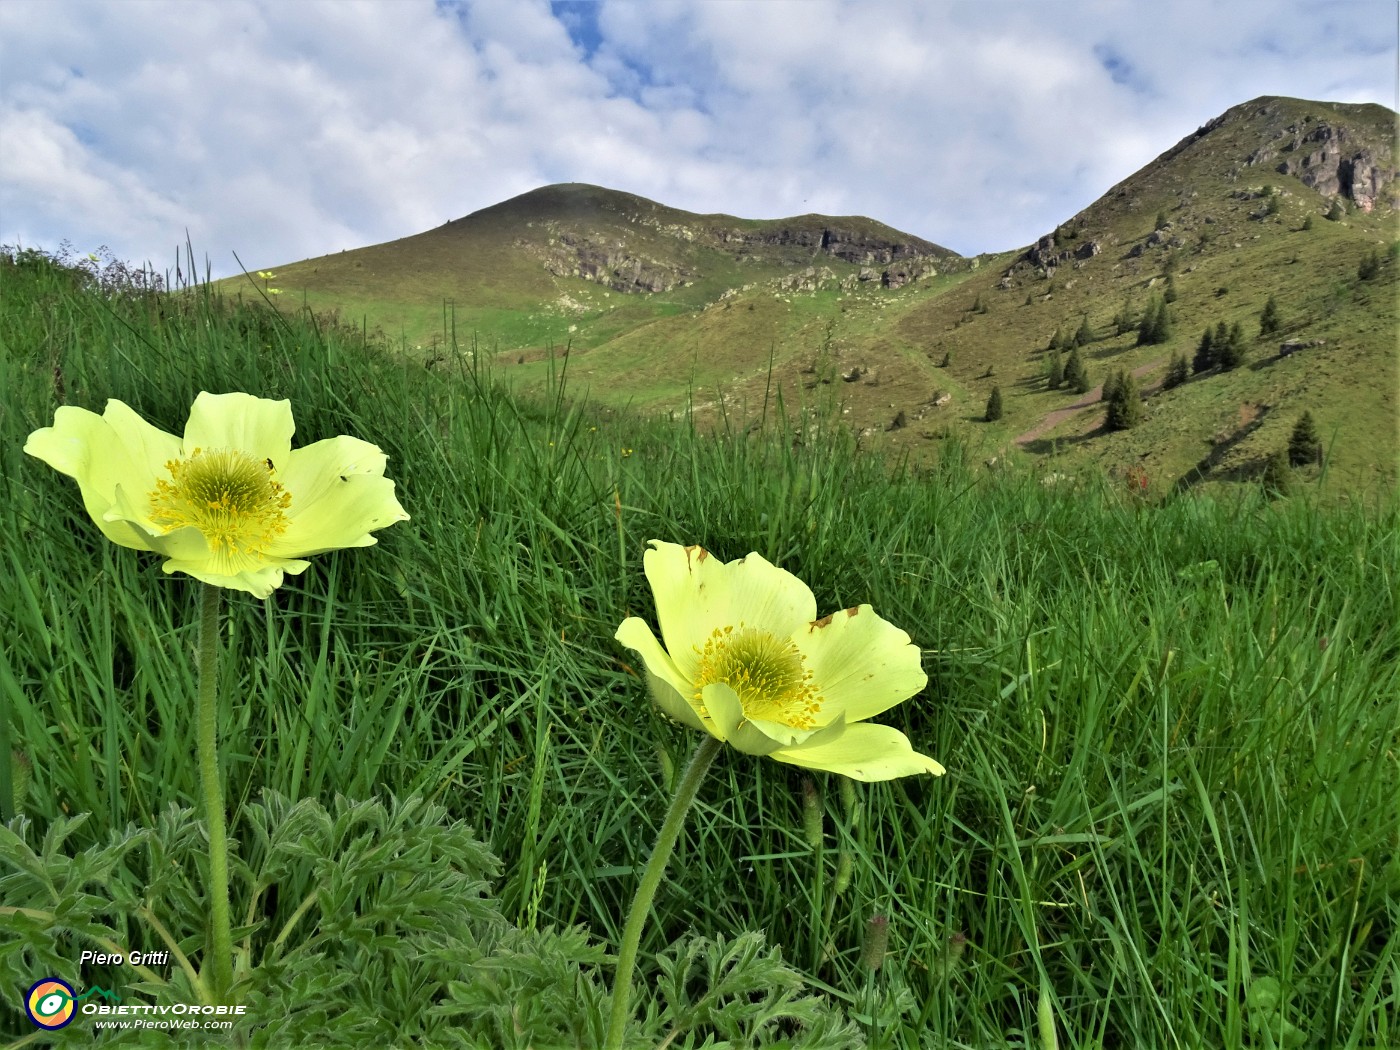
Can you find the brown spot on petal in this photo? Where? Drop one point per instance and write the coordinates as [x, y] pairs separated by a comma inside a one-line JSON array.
[[700, 553], [825, 621]]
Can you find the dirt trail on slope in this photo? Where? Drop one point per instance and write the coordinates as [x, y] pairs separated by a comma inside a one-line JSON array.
[[1093, 397]]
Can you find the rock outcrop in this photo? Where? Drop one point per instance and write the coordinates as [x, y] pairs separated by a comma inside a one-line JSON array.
[[569, 255], [1047, 254], [1333, 157], [1329, 161]]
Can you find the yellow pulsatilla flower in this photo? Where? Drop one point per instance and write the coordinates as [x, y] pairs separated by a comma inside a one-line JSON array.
[[747, 661], [231, 503]]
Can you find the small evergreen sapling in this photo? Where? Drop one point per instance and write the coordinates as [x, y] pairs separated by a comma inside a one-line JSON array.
[[994, 405], [1229, 345], [1276, 479], [1110, 385], [1304, 446], [1205, 358], [1057, 370], [1075, 375], [1156, 324], [1125, 406], [1177, 372], [1269, 320], [1124, 320]]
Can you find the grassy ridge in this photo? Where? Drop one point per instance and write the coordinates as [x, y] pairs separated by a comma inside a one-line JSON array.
[[1171, 726], [741, 320]]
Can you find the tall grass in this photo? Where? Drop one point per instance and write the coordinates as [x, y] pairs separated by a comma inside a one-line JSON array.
[[1171, 727]]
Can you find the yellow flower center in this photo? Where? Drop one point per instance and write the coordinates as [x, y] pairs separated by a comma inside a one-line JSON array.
[[233, 498], [768, 673]]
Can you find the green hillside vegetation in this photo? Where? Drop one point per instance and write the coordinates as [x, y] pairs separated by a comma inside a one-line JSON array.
[[1210, 232], [505, 271], [1169, 723]]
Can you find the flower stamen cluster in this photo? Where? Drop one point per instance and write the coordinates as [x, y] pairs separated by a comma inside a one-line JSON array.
[[232, 498], [747, 661], [768, 673]]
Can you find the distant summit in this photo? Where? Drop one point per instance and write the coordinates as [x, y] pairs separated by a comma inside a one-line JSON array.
[[1271, 228], [1332, 147], [598, 234]]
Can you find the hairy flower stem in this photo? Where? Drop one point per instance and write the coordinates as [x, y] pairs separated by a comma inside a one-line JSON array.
[[221, 949], [651, 879]]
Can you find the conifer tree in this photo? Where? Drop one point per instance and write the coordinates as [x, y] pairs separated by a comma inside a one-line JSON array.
[[1177, 372], [994, 405], [1169, 296], [1148, 325], [1075, 376], [1057, 370], [1110, 385], [1369, 266], [1335, 213], [1229, 353], [1085, 335], [1228, 342], [1083, 385], [1162, 330], [1057, 341], [1276, 480], [1125, 407], [1205, 358], [1269, 320], [1156, 324], [1304, 446], [1123, 320]]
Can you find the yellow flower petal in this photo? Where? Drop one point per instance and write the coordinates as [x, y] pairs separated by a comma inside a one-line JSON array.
[[863, 752], [865, 664], [103, 453], [216, 504], [254, 425], [745, 660], [725, 711], [696, 593], [188, 552], [344, 516], [313, 469], [756, 736], [670, 691]]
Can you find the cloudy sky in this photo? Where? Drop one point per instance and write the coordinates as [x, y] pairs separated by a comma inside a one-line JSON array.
[[281, 129]]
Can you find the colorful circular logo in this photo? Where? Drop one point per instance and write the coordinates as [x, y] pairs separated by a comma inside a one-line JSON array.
[[50, 1003]]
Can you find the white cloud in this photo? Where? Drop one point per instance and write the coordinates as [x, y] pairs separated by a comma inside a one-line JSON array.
[[286, 130]]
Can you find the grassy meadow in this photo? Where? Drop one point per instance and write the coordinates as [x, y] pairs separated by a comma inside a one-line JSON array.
[[1171, 727]]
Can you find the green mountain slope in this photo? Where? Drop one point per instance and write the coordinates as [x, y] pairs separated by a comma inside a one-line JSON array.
[[664, 309], [579, 264]]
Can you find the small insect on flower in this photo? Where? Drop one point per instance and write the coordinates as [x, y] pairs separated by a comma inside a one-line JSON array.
[[215, 503], [747, 661]]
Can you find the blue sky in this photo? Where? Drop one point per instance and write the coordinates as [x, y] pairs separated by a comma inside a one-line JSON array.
[[283, 130]]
